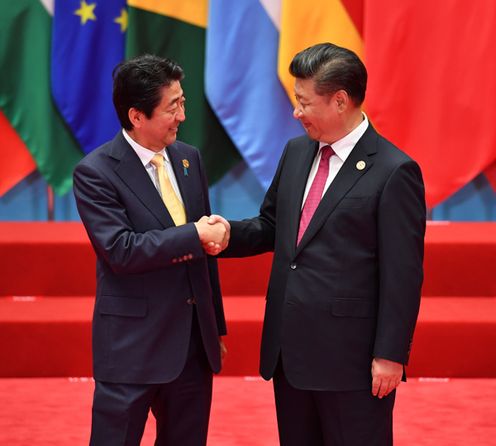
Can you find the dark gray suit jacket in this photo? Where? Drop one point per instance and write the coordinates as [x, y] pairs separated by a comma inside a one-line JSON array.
[[351, 290], [148, 270]]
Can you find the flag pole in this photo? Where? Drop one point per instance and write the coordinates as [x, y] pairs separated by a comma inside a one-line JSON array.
[[50, 204]]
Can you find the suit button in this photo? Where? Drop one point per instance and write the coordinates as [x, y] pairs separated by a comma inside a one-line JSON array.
[[293, 266], [191, 301]]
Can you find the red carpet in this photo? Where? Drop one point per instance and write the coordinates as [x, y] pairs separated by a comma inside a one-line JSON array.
[[57, 412]]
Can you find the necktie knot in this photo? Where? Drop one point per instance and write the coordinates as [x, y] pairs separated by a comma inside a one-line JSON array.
[[158, 160], [327, 152]]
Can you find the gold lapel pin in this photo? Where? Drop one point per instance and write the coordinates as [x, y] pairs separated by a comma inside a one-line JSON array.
[[185, 167], [360, 165]]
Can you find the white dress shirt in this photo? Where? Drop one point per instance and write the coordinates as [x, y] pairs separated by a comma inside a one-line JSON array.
[[146, 155], [342, 149]]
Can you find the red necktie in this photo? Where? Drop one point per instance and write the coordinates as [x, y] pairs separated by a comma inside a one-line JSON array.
[[315, 193]]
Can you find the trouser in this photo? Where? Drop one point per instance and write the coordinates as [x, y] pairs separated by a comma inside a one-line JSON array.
[[328, 418], [181, 407]]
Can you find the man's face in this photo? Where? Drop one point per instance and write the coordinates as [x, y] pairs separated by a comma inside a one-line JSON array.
[[160, 129], [318, 114]]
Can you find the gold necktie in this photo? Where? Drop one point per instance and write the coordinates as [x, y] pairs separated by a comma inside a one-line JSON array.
[[173, 204]]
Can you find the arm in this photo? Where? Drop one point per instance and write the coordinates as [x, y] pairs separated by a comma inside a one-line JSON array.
[[401, 230], [113, 235], [256, 235]]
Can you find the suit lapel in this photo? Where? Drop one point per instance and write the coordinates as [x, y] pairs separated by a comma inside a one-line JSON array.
[[348, 175], [134, 175], [302, 166], [183, 181]]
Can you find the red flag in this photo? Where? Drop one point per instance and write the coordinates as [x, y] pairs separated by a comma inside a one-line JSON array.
[[432, 71], [15, 160]]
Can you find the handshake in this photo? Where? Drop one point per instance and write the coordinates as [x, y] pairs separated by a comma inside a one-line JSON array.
[[214, 233]]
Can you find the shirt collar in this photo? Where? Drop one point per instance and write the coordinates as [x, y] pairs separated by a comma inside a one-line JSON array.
[[144, 154], [343, 147]]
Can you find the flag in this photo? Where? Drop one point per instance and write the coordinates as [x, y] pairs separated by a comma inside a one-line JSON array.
[[25, 97], [307, 23], [87, 43], [15, 160], [431, 85], [242, 83], [176, 29]]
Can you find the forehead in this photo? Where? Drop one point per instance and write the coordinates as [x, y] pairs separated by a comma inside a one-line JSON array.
[[171, 92], [304, 88]]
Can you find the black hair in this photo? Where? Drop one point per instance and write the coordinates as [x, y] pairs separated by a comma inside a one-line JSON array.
[[332, 68], [138, 83]]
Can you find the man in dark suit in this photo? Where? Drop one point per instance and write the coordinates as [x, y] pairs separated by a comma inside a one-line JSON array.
[[345, 216], [158, 312]]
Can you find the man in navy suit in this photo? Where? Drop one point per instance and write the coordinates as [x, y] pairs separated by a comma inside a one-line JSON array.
[[345, 217], [158, 313]]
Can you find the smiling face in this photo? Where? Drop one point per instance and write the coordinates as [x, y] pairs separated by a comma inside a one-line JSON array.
[[320, 115], [160, 130]]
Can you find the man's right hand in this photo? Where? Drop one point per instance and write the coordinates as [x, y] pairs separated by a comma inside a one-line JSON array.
[[215, 220], [213, 236]]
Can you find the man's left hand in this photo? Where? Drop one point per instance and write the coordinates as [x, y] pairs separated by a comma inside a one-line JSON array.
[[386, 376]]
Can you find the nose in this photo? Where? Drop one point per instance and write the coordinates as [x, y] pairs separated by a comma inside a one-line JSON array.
[[297, 112], [181, 115]]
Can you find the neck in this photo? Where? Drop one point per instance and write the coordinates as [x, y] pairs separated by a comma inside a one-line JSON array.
[[350, 122], [136, 136]]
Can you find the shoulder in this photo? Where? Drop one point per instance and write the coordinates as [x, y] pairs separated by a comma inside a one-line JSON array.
[[299, 141], [185, 148], [388, 152], [96, 159], [100, 155], [296, 145]]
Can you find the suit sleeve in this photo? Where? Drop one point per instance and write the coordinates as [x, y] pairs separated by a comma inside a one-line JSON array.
[[213, 267], [257, 235], [401, 230], [113, 236]]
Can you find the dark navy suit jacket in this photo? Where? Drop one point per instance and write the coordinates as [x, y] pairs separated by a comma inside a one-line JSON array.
[[350, 291], [149, 272]]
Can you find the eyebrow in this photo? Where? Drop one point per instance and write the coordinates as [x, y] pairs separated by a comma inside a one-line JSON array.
[[177, 98], [299, 97]]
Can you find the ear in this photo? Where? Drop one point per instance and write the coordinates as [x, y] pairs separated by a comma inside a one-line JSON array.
[[342, 100], [136, 117]]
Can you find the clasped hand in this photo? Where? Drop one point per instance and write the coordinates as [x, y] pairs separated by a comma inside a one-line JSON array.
[[214, 233]]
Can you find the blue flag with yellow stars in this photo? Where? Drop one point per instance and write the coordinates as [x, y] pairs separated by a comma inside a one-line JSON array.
[[88, 39]]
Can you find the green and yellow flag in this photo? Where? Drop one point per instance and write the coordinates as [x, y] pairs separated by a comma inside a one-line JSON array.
[[25, 98], [177, 29]]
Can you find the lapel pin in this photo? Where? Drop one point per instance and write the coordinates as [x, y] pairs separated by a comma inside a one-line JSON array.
[[185, 167], [360, 165]]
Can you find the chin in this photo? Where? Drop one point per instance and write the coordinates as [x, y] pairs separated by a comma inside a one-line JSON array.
[[312, 135]]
